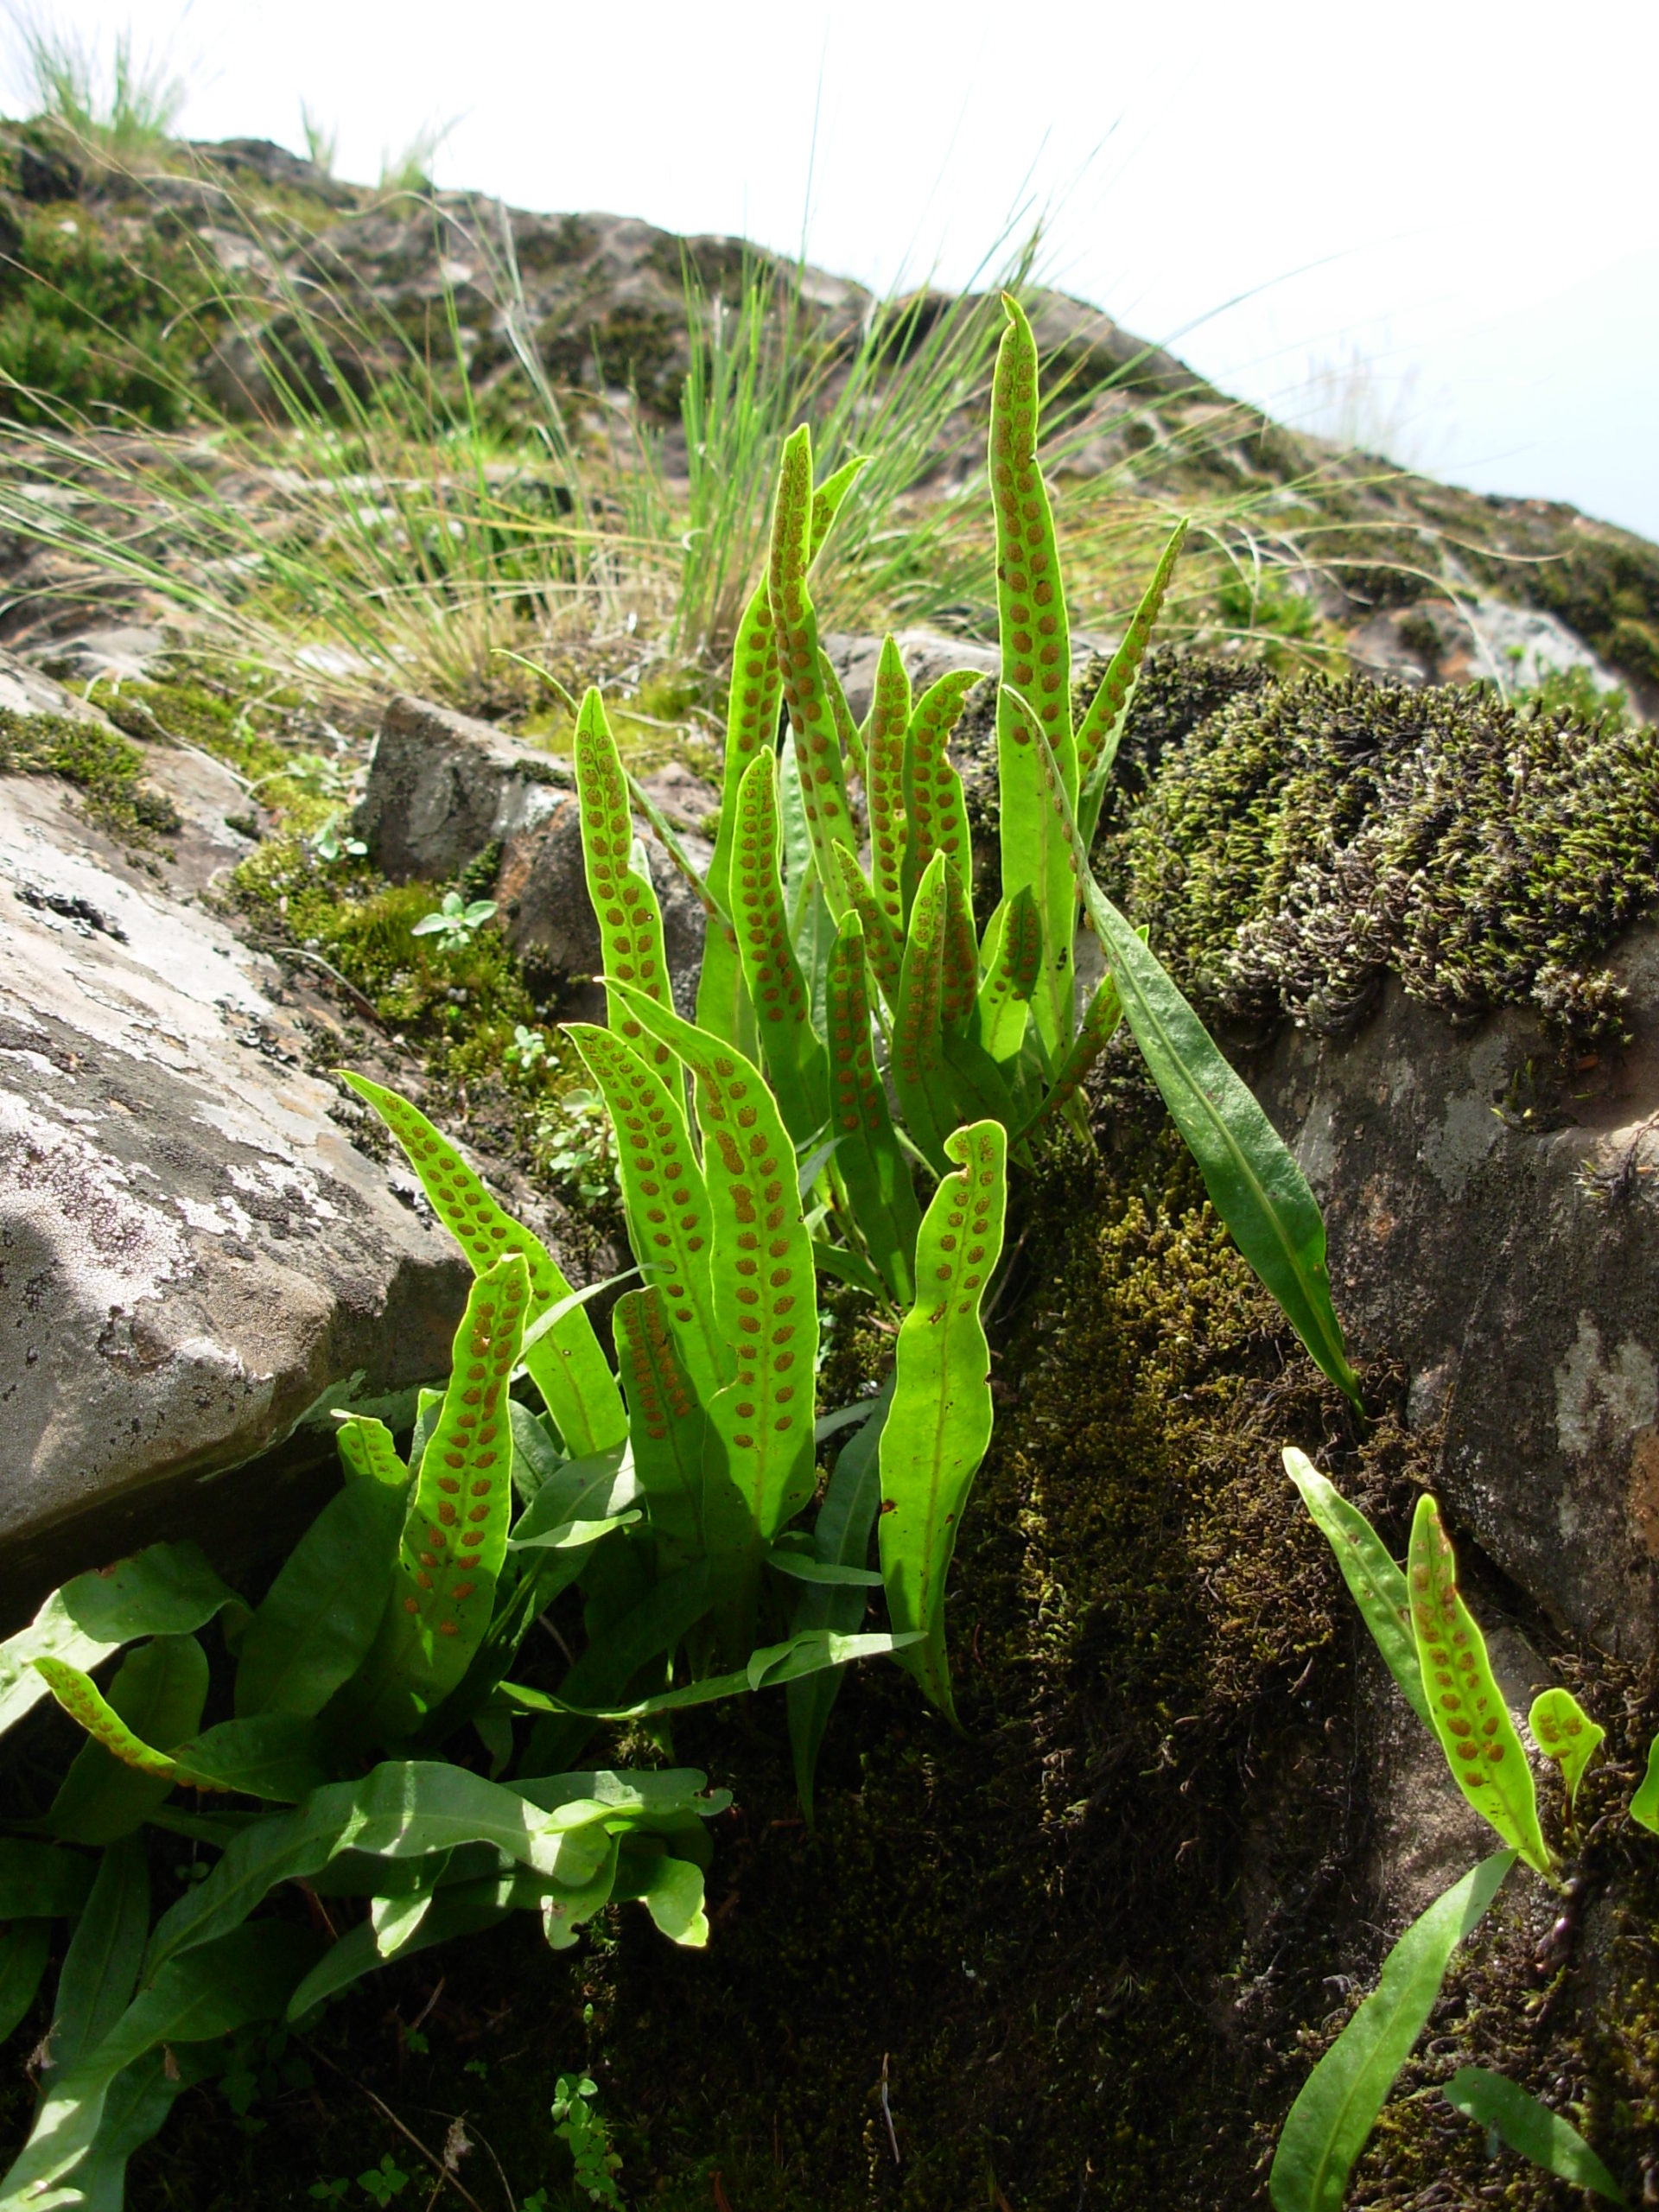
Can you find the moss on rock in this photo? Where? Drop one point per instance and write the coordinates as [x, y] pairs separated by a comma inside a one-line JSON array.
[[1305, 841], [103, 767]]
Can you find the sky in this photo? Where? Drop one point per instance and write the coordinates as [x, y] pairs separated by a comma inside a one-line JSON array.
[[1433, 226]]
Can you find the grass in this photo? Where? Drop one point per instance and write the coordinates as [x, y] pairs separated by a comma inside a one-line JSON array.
[[125, 108], [357, 505]]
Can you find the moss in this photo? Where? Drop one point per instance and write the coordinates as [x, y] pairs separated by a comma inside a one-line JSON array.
[[99, 322], [1302, 844], [104, 768]]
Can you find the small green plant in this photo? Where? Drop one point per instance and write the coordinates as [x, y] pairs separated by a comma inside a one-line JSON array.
[[456, 923], [1435, 1649], [331, 2191], [329, 846], [384, 2183], [1511, 2116], [580, 2125], [574, 1144], [528, 1049]]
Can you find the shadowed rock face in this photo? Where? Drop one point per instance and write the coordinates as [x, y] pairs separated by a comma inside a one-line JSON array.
[[193, 1255], [1514, 1267], [444, 788]]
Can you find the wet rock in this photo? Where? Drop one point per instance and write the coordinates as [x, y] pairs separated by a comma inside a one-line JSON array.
[[1494, 1222], [194, 1260], [444, 789]]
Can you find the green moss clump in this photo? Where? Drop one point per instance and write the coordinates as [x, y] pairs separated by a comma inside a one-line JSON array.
[[95, 323], [1303, 843], [103, 767]]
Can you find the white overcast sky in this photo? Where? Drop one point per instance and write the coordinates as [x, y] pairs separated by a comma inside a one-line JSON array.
[[1439, 219]]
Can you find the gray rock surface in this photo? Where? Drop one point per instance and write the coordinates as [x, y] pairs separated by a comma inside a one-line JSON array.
[[194, 1260], [1499, 1232], [444, 788]]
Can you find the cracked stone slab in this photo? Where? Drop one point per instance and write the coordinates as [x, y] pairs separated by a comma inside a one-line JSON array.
[[194, 1260]]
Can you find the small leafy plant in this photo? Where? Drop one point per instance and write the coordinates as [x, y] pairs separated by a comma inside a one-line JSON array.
[[669, 1491], [580, 2125], [528, 1049], [456, 923], [1433, 1648]]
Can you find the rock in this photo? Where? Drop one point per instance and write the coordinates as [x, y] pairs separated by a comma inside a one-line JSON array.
[[122, 651], [196, 1261], [1480, 639], [1499, 1232], [443, 789]]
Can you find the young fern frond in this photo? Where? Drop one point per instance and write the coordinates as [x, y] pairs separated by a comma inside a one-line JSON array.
[[811, 718], [1036, 659], [455, 1534], [790, 1049], [671, 1223], [754, 702], [940, 1422], [566, 1365], [936, 813], [1465, 1706], [624, 901], [885, 790]]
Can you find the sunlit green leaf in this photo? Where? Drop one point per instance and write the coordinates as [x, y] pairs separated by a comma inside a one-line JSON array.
[[1529, 2127], [1339, 2103], [940, 1422], [1465, 1706]]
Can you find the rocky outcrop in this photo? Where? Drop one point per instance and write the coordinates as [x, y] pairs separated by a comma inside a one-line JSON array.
[[443, 791], [1494, 1225], [195, 1262]]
